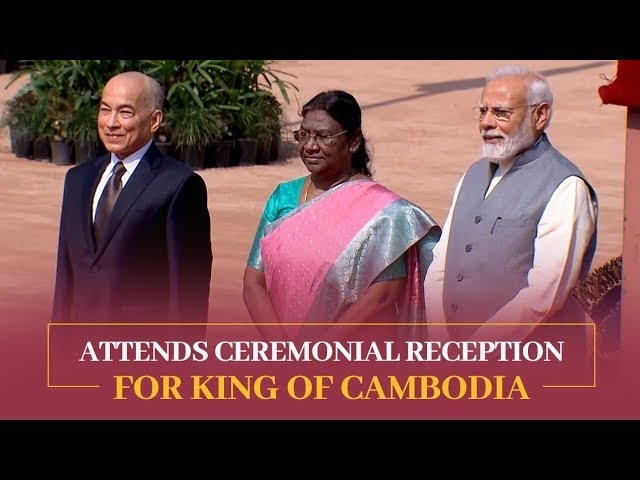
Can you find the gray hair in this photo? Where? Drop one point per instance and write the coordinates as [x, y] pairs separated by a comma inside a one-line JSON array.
[[157, 94], [539, 90]]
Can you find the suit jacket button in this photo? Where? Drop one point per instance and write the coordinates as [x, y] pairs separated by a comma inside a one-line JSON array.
[[95, 269], [459, 277], [454, 307], [467, 248], [477, 219]]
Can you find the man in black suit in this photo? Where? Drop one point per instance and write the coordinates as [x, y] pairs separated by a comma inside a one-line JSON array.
[[135, 235]]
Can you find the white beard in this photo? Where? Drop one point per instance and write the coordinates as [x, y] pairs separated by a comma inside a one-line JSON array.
[[510, 145]]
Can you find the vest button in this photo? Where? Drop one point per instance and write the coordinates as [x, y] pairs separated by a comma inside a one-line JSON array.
[[454, 307], [477, 219], [459, 277], [95, 269], [467, 248]]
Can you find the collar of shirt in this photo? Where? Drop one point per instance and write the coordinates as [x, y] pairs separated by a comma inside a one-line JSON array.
[[503, 167], [531, 152], [130, 163]]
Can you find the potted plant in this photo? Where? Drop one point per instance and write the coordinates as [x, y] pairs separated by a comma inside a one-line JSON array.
[[83, 128], [70, 88], [191, 130], [262, 78], [248, 128], [269, 144], [59, 116], [38, 125], [17, 117]]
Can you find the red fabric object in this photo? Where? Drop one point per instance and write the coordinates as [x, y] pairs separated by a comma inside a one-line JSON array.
[[625, 87]]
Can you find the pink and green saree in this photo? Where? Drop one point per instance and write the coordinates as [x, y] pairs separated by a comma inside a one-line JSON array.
[[320, 257]]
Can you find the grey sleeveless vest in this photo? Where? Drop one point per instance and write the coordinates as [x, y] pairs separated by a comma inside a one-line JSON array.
[[490, 249]]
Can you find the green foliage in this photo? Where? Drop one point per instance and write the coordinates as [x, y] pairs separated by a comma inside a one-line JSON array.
[[68, 91], [205, 99], [19, 112], [193, 126], [237, 93], [83, 124]]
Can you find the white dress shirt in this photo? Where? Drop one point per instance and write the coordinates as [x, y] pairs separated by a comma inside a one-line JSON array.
[[563, 235], [130, 163]]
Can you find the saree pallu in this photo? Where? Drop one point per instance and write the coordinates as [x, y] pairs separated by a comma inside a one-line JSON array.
[[321, 257]]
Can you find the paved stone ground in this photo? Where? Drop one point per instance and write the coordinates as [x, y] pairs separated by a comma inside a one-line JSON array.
[[418, 118]]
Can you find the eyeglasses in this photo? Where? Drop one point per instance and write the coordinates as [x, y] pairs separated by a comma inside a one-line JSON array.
[[302, 136], [502, 114]]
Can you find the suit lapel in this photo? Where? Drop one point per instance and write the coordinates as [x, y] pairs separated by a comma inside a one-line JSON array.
[[144, 173]]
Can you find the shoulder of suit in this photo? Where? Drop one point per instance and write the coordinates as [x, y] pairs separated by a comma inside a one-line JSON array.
[[177, 166], [88, 168]]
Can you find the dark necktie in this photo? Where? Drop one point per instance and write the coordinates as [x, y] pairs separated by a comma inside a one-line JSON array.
[[107, 201]]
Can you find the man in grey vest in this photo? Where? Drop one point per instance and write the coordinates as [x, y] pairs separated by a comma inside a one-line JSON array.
[[522, 227]]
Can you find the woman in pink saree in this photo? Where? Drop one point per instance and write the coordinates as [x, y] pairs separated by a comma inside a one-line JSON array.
[[335, 246]]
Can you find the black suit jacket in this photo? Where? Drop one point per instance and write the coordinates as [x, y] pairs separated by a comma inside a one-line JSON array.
[[154, 264]]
